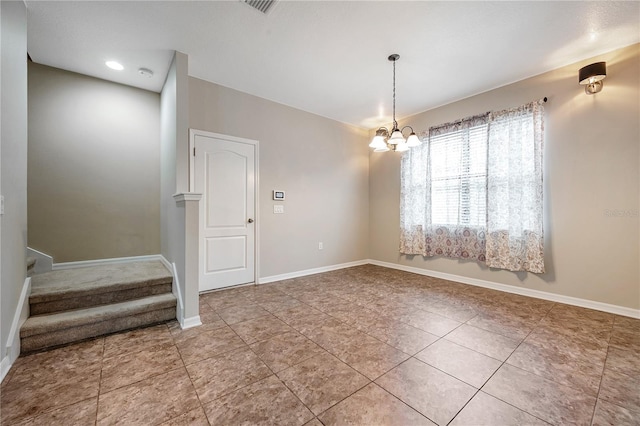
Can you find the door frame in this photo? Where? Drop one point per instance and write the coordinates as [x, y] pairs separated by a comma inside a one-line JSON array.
[[256, 193]]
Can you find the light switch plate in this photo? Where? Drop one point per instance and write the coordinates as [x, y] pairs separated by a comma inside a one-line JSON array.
[[1, 204], [278, 208]]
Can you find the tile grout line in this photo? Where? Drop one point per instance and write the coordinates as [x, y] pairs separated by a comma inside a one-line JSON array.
[[331, 354], [398, 398], [166, 324], [450, 375], [186, 371], [52, 409], [272, 373], [496, 370], [104, 341], [604, 367], [501, 365]]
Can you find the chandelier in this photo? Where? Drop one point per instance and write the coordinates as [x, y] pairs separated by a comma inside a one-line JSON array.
[[394, 140]]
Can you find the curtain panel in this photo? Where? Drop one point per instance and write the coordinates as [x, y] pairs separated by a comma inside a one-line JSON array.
[[473, 190], [514, 189]]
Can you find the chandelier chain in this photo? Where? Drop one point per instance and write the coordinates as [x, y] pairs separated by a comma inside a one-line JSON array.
[[395, 123]]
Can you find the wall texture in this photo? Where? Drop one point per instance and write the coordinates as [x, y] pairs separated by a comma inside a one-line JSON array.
[[320, 163], [591, 178], [94, 167], [13, 167]]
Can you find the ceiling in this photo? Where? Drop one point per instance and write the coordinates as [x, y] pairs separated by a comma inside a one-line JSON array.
[[330, 57]]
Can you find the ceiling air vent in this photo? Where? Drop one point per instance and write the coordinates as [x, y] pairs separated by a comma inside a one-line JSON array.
[[261, 5]]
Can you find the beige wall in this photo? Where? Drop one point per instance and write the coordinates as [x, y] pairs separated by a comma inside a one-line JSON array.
[[320, 163], [13, 169], [591, 162], [94, 167]]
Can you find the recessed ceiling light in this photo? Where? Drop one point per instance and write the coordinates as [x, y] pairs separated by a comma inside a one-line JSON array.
[[114, 65]]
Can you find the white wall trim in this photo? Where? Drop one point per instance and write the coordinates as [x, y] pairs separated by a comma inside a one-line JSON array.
[[85, 263], [553, 297], [175, 289], [44, 262], [190, 322], [305, 272], [13, 341], [187, 196], [5, 366]]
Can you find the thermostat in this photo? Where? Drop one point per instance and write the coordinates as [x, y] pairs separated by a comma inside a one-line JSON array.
[[278, 195]]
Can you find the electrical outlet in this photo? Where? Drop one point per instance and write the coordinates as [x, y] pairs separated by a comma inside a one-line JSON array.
[[278, 209], [320, 246]]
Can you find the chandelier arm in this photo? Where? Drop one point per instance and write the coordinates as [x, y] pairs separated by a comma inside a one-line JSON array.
[[402, 131]]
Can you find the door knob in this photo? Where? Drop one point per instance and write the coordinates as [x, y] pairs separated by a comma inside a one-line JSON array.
[[250, 220]]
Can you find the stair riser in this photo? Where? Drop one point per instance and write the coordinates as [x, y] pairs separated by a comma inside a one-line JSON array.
[[74, 334], [89, 301]]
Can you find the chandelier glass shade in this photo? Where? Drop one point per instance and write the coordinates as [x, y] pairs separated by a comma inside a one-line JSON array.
[[394, 139]]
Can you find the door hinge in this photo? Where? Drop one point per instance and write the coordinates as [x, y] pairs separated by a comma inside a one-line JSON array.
[[194, 151]]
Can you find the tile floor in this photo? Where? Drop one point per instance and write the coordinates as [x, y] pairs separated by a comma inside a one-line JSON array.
[[364, 345]]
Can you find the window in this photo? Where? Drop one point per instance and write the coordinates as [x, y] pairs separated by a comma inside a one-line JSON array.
[[473, 190], [459, 176]]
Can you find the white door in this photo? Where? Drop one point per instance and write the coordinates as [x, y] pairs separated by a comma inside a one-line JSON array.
[[225, 176]]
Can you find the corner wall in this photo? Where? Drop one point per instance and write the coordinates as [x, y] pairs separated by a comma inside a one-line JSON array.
[[591, 178], [321, 164], [13, 171], [174, 179]]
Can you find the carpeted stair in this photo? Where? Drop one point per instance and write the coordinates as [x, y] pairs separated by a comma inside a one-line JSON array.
[[75, 304], [31, 266]]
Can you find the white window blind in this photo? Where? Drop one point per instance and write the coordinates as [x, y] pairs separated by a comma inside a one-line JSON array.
[[458, 163]]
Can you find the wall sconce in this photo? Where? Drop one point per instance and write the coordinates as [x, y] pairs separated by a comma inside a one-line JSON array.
[[591, 77]]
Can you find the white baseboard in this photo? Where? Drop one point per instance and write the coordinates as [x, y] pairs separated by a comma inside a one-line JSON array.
[[5, 366], [553, 297], [44, 262], [175, 289], [13, 341], [97, 262], [190, 322], [305, 272]]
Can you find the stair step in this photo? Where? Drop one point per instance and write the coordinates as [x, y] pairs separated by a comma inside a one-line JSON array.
[[79, 288], [45, 331], [31, 264]]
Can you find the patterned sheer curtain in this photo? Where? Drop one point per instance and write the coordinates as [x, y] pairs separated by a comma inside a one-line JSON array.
[[514, 192], [473, 190], [443, 192]]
